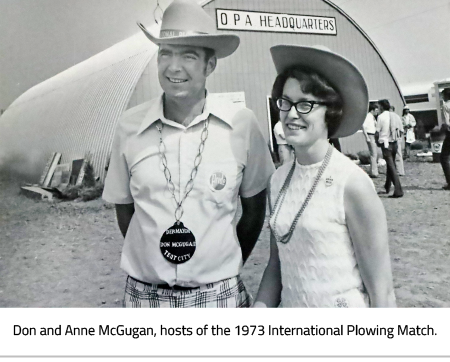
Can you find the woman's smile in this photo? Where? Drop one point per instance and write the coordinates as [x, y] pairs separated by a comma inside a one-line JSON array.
[[295, 127]]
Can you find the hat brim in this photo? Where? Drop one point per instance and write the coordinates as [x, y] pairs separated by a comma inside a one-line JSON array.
[[222, 44], [342, 75]]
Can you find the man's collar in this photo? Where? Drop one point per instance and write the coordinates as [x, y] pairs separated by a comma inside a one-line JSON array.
[[213, 105], [154, 113]]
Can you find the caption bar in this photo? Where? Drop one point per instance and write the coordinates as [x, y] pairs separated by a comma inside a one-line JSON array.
[[217, 330]]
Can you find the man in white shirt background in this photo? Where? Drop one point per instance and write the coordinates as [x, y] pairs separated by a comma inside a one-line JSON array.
[[285, 151], [445, 152], [388, 143], [369, 129], [409, 123], [399, 126]]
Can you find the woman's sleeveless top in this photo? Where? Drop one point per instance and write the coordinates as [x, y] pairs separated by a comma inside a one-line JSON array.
[[318, 264]]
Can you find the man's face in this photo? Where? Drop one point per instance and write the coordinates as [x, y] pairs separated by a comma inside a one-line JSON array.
[[375, 112], [182, 70]]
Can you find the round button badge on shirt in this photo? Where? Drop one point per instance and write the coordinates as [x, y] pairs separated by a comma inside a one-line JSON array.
[[218, 180]]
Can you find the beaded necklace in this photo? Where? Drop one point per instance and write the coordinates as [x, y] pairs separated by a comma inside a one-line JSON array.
[[282, 194]]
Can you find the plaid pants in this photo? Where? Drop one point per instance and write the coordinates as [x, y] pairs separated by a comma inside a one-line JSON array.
[[227, 293]]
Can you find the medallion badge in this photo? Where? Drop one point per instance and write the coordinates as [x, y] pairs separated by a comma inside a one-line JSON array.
[[177, 244]]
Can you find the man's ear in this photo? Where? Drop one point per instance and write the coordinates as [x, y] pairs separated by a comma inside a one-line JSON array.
[[211, 65]]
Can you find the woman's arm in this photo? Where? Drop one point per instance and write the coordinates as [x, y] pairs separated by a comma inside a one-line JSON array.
[[366, 221], [269, 293]]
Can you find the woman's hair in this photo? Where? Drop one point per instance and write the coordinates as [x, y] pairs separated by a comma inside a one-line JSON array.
[[315, 84]]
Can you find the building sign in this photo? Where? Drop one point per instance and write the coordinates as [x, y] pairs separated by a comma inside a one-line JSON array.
[[274, 22]]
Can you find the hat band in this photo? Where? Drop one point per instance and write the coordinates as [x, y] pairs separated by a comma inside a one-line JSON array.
[[170, 33]]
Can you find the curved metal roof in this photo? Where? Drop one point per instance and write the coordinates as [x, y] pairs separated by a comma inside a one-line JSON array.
[[74, 112]]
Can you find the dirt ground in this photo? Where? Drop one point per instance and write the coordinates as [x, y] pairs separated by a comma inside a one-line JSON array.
[[66, 254]]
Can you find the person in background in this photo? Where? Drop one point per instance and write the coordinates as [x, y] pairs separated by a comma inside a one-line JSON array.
[[180, 164], [445, 152], [409, 122], [369, 129], [400, 132], [285, 151], [386, 128], [329, 240]]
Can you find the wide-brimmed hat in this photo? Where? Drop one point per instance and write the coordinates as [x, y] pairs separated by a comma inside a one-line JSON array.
[[185, 22], [342, 75], [406, 107]]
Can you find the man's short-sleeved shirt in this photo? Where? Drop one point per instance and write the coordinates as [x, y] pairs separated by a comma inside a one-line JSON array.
[[369, 124], [384, 129], [279, 134], [235, 161]]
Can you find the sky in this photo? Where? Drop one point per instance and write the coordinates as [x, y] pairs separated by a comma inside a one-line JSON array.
[[412, 35], [40, 38]]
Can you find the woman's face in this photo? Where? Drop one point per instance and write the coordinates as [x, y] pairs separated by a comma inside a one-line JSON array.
[[302, 129]]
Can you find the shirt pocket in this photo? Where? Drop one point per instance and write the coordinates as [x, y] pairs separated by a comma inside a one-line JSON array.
[[220, 181]]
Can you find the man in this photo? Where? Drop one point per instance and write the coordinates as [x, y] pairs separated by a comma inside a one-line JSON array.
[[400, 131], [445, 152], [388, 141], [178, 165], [369, 129], [409, 123], [285, 151]]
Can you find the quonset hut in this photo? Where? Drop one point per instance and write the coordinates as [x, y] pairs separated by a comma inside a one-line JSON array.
[[76, 111]]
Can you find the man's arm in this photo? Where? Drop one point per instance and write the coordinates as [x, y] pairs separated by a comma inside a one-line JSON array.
[[363, 128], [251, 222], [124, 213], [366, 135]]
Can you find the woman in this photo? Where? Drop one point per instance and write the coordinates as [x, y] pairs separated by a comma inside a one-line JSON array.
[[409, 122], [329, 242]]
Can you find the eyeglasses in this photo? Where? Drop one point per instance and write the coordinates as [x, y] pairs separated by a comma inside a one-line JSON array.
[[302, 107]]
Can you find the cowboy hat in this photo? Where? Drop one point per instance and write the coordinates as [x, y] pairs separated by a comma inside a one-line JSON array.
[[185, 22], [342, 75]]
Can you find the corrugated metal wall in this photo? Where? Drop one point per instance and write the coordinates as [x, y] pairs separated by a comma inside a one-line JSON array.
[[148, 85], [75, 112]]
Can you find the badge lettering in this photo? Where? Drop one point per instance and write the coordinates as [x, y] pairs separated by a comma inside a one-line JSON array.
[[218, 180], [177, 244], [178, 231]]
